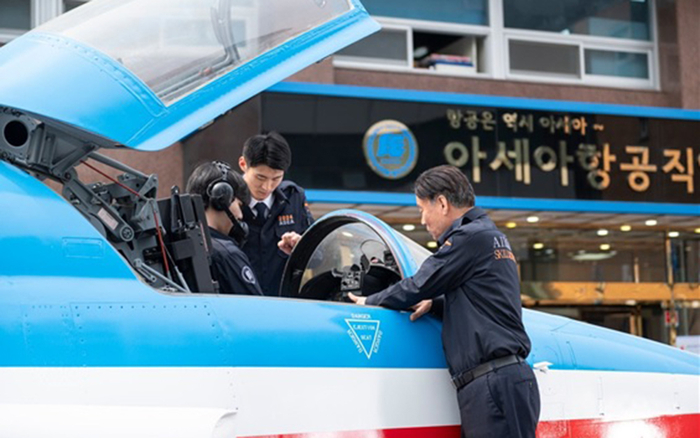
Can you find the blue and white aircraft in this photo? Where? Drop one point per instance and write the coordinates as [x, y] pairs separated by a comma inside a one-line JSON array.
[[110, 324]]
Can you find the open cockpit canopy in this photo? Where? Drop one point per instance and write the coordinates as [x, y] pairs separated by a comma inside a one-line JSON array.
[[145, 73]]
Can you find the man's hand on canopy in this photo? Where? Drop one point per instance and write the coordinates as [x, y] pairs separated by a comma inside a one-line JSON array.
[[288, 241]]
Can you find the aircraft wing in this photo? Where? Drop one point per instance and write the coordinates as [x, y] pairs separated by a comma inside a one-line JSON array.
[[146, 73]]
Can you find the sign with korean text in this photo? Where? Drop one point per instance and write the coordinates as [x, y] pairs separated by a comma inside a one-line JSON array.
[[505, 152]]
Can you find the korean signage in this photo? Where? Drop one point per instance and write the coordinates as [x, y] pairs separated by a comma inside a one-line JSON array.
[[374, 145]]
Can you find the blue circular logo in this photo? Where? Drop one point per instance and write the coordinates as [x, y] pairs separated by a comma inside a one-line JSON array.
[[391, 149]]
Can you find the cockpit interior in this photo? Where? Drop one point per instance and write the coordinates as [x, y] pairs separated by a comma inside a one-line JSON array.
[[337, 257], [348, 251]]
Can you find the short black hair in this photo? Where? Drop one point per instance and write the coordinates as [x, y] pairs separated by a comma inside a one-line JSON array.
[[209, 172], [270, 149], [448, 181]]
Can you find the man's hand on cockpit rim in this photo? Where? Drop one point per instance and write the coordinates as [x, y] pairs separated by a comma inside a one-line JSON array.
[[357, 300], [419, 309]]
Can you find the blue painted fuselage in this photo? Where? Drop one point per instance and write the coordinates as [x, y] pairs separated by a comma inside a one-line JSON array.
[[68, 299]]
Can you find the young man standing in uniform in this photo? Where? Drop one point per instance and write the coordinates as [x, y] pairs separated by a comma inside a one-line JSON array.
[[473, 279], [224, 192], [277, 213]]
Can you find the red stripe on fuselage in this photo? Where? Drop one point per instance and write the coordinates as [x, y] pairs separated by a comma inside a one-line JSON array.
[[423, 432], [676, 426]]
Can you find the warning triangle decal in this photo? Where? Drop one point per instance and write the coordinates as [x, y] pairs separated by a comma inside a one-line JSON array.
[[364, 333]]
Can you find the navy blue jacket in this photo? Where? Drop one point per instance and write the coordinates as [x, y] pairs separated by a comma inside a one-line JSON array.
[[230, 267], [476, 273], [289, 212]]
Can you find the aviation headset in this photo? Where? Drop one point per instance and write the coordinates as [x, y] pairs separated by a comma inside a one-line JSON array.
[[221, 194]]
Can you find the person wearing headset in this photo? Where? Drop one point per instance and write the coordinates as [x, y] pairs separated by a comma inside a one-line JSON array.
[[223, 192]]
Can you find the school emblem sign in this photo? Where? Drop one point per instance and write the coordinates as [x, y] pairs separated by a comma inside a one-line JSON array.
[[391, 149]]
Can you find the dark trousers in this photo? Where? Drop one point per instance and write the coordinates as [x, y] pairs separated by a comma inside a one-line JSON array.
[[504, 403]]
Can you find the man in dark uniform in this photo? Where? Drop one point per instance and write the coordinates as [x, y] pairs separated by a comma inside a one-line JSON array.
[[473, 279], [224, 192], [277, 213]]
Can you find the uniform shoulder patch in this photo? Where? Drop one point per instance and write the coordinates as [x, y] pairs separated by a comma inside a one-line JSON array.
[[248, 275], [502, 249], [446, 247]]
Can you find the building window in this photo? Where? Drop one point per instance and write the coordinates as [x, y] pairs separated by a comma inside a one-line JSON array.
[[420, 46], [20, 16], [390, 46], [627, 19], [598, 42], [72, 4], [620, 64], [15, 18], [445, 37], [446, 11], [592, 42], [528, 57], [16, 14], [447, 52]]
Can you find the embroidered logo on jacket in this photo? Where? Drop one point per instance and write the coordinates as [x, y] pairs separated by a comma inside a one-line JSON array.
[[248, 275], [502, 249]]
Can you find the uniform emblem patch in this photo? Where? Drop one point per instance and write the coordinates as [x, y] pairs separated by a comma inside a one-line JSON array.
[[248, 275]]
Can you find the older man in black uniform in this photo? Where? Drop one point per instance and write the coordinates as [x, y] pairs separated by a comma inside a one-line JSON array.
[[473, 279], [277, 213]]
